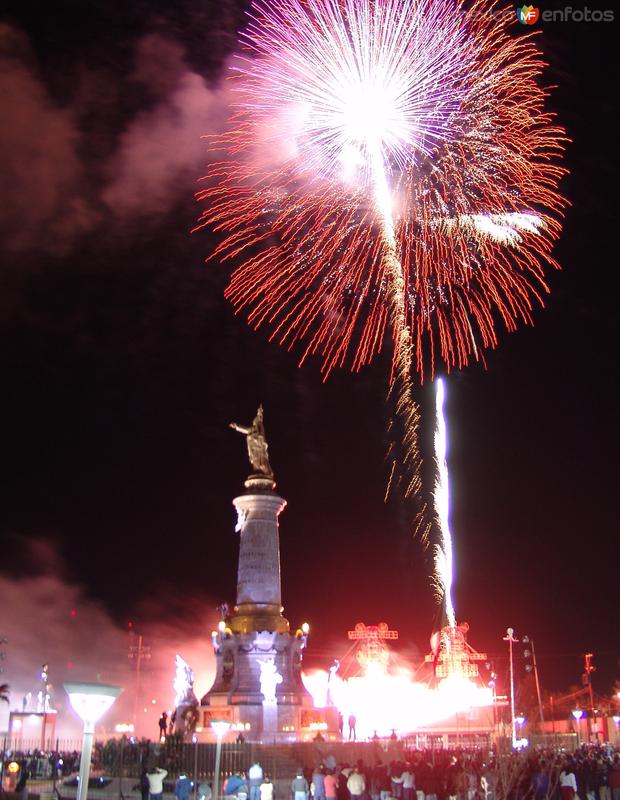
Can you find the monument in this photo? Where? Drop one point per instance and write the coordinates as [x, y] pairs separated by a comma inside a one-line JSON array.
[[258, 685]]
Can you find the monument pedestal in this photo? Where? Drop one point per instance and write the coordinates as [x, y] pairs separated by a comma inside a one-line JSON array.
[[258, 660]]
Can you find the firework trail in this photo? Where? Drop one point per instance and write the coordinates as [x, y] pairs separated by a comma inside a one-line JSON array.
[[443, 549], [390, 167]]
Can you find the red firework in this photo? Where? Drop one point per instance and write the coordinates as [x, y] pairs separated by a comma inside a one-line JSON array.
[[445, 105]]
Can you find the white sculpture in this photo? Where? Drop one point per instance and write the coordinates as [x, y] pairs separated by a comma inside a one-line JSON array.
[[270, 678]]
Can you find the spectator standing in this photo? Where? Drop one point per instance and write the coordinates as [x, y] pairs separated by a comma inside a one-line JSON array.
[[299, 786], [242, 789], [255, 776], [266, 789], [331, 786], [356, 784], [145, 786], [318, 783], [613, 778], [156, 782], [204, 792], [601, 780], [182, 787], [407, 779], [568, 783], [233, 782], [21, 787]]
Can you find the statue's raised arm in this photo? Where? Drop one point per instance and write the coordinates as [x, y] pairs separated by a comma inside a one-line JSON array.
[[257, 444], [241, 428]]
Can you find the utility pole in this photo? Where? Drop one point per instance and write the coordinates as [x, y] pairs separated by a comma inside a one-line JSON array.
[[534, 668], [138, 653], [588, 669], [511, 640], [2, 653]]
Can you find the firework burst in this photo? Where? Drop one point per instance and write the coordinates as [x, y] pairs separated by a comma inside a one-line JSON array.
[[390, 170], [381, 147]]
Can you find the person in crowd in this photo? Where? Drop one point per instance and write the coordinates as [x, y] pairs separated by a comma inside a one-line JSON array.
[[382, 780], [600, 782], [145, 786], [255, 777], [396, 785], [356, 784], [242, 789], [568, 782], [232, 784], [266, 789], [21, 787], [299, 786], [183, 787], [318, 783], [204, 791], [407, 781], [540, 780], [330, 783], [156, 777], [613, 778]]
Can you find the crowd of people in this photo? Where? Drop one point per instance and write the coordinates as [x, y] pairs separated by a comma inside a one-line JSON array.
[[591, 773]]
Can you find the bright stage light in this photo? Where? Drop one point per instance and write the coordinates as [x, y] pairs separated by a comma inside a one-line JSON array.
[[382, 702]]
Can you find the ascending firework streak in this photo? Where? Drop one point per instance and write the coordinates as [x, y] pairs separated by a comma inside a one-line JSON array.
[[443, 549], [390, 167]]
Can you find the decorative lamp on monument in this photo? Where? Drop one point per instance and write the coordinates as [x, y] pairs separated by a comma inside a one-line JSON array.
[[90, 701], [220, 728]]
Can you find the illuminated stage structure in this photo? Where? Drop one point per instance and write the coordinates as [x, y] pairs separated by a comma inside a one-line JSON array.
[[372, 655], [452, 656], [258, 685], [442, 702]]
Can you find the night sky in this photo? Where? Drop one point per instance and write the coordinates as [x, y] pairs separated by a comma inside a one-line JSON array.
[[122, 365]]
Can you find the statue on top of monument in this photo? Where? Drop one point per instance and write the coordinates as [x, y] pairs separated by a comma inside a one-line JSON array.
[[257, 444]]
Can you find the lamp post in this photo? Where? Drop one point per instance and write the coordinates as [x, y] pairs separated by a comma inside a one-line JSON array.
[[578, 714], [616, 719], [511, 640], [520, 721], [220, 728], [195, 743], [90, 701], [534, 668]]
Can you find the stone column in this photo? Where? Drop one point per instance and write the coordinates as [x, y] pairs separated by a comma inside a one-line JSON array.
[[259, 594]]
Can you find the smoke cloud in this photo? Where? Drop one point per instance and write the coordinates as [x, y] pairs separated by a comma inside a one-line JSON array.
[[161, 152], [57, 191], [43, 203], [55, 623]]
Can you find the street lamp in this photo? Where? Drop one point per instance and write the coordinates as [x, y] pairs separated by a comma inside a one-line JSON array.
[[90, 701], [578, 714], [511, 640], [534, 667], [520, 722], [220, 729]]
